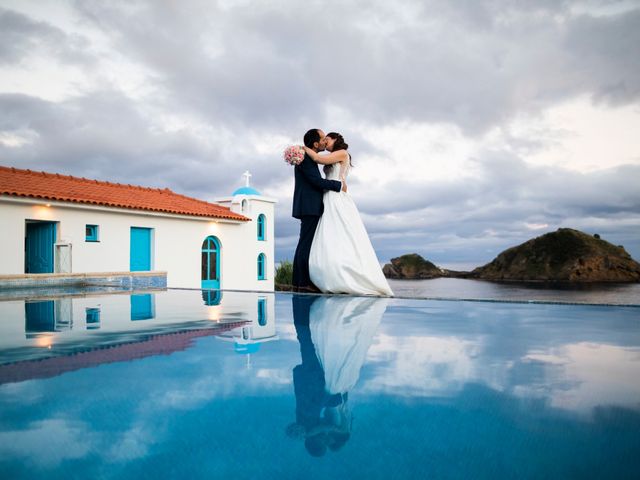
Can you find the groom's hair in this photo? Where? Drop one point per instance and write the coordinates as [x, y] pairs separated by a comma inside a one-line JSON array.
[[311, 137]]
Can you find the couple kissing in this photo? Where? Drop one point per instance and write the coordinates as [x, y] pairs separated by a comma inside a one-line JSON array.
[[334, 252]]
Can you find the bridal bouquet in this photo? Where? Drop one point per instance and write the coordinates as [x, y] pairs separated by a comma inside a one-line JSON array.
[[294, 155]]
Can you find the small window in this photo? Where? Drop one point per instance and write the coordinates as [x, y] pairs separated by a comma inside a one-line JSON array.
[[262, 312], [93, 318], [261, 266], [246, 333], [91, 233], [261, 227]]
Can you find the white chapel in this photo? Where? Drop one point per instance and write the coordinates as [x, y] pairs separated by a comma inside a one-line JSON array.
[[58, 228]]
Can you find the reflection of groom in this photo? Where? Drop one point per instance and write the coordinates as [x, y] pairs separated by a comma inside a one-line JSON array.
[[308, 207], [308, 377], [310, 390]]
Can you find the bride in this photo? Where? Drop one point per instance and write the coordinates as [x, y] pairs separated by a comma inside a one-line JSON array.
[[342, 259]]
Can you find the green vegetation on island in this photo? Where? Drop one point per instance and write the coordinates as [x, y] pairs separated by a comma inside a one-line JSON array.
[[413, 266], [566, 255]]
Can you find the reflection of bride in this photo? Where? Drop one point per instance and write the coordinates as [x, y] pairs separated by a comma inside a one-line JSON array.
[[342, 330]]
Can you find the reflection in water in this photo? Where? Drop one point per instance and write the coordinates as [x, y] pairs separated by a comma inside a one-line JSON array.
[[584, 376], [574, 358], [308, 377], [52, 346], [143, 307], [212, 297], [248, 338], [92, 318], [39, 317], [47, 316], [607, 293], [35, 329], [447, 390], [334, 335]]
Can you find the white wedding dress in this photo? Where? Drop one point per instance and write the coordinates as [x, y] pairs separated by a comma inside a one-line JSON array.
[[342, 259], [342, 330]]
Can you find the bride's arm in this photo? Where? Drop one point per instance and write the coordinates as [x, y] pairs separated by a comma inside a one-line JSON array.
[[333, 157]]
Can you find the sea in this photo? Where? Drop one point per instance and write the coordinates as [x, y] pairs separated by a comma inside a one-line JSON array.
[[459, 288]]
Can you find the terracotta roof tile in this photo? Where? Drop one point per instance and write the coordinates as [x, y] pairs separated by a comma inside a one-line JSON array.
[[65, 188]]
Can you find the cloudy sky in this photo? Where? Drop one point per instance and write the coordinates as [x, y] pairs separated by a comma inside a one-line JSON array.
[[473, 125]]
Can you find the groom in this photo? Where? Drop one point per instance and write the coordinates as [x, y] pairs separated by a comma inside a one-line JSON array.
[[308, 208]]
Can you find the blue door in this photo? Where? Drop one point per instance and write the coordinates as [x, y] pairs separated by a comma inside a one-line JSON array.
[[140, 251], [39, 317], [142, 307], [210, 263], [39, 247]]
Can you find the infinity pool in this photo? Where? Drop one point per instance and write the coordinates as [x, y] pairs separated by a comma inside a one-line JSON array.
[[190, 384]]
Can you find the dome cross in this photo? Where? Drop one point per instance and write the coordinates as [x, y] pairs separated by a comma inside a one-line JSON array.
[[247, 176]]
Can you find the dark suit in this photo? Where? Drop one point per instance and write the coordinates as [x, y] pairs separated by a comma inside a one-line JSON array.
[[308, 207], [308, 377]]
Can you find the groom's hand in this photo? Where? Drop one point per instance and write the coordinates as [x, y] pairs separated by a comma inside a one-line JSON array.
[[344, 186]]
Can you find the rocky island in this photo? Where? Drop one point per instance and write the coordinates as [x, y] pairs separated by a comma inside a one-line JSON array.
[[563, 256], [413, 267], [566, 255]]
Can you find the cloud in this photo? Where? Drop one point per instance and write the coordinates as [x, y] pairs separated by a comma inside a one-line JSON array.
[[89, 135], [464, 118], [602, 51], [279, 64], [505, 349], [34, 442], [21, 38]]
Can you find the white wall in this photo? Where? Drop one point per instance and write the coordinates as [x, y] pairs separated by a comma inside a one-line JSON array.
[[177, 241], [246, 242]]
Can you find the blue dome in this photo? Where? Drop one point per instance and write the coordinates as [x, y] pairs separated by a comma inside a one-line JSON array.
[[246, 191], [244, 348]]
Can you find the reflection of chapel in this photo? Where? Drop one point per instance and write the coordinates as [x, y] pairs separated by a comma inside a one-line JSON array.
[[248, 338], [59, 228]]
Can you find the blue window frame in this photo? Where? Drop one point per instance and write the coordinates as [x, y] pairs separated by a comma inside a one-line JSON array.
[[261, 266], [262, 312], [210, 263], [261, 227], [93, 318], [211, 297], [91, 233]]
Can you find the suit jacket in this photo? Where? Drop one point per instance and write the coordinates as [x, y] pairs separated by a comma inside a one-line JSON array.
[[308, 377], [307, 196]]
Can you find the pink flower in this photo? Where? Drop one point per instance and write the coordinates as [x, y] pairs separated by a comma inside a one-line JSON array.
[[294, 155]]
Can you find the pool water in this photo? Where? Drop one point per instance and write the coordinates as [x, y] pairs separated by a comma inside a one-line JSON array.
[[190, 384]]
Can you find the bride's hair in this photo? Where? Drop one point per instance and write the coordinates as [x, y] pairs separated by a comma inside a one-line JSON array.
[[339, 144]]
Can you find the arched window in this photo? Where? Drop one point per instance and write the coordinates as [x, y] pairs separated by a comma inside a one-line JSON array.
[[211, 297], [261, 266], [262, 312], [261, 227], [210, 263]]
